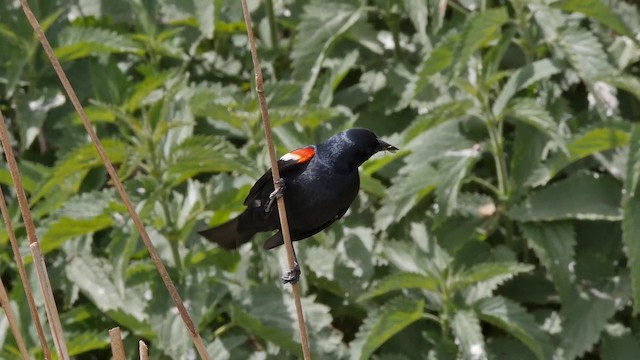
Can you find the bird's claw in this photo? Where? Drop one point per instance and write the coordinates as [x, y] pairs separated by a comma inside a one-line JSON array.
[[275, 194], [292, 276]]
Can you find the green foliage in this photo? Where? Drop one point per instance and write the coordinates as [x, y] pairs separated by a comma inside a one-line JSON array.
[[506, 226]]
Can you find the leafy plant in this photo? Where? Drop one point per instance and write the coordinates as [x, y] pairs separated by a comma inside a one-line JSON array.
[[504, 228]]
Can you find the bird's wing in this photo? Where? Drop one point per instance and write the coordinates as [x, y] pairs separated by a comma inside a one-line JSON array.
[[287, 162], [276, 239]]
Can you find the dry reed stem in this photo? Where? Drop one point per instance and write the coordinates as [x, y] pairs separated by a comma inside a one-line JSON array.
[[41, 269], [143, 350], [117, 347], [282, 212], [153, 253], [49, 301], [13, 321], [26, 284]]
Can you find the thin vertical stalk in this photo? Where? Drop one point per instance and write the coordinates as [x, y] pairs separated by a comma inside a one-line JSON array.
[[117, 183], [282, 212], [22, 272], [13, 321]]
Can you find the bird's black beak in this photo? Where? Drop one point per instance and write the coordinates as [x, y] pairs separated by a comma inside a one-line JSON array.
[[383, 146]]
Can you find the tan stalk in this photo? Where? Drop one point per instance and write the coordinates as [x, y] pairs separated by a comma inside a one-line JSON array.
[[26, 284], [13, 321], [144, 350], [117, 183], [282, 212], [117, 347]]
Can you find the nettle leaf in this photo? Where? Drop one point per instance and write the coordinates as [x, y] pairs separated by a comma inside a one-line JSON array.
[[493, 272], [618, 343], [625, 82], [201, 154], [554, 244], [585, 53], [598, 10], [383, 323], [418, 13], [581, 196], [402, 281], [482, 28], [514, 319], [584, 319], [258, 328], [453, 169], [466, 329], [77, 163], [526, 160], [79, 42], [531, 113], [525, 77], [592, 141], [631, 210], [321, 26]]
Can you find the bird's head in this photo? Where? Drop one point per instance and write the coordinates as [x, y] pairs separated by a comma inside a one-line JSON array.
[[355, 146]]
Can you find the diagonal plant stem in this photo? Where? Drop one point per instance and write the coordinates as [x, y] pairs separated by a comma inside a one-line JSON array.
[[43, 278], [282, 212], [13, 321], [153, 253], [26, 284]]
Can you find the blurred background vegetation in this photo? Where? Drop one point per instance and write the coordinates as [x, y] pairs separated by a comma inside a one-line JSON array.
[[506, 228]]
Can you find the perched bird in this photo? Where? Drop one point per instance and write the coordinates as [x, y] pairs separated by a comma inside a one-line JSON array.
[[319, 182]]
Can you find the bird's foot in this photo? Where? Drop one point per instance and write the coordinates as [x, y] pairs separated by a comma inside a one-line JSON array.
[[275, 194], [292, 276]]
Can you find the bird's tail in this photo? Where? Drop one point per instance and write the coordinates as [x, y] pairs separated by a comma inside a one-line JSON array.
[[227, 235]]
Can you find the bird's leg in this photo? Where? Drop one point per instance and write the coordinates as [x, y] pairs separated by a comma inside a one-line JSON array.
[[292, 276], [275, 194]]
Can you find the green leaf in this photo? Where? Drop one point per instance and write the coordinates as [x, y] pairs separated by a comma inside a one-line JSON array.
[[585, 53], [592, 141], [631, 210], [554, 245], [585, 318], [524, 77], [496, 271], [531, 113], [625, 82], [270, 333], [77, 163], [384, 323], [402, 281], [581, 196], [418, 13], [79, 42], [466, 328], [618, 343], [321, 26], [514, 319], [482, 28], [598, 10], [202, 154]]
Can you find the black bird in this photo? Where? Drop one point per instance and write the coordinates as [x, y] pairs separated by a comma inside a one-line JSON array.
[[321, 182]]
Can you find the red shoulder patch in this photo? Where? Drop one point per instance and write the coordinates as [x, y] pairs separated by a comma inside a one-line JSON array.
[[301, 155]]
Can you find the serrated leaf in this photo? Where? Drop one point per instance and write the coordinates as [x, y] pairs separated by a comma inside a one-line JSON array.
[[554, 245], [402, 281], [592, 141], [418, 13], [481, 29], [453, 169], [527, 154], [500, 271], [514, 319], [270, 333], [598, 10], [631, 209], [581, 196], [625, 82], [524, 77], [531, 113], [79, 42], [618, 343], [78, 162], [585, 318], [381, 325], [321, 26], [585, 53], [466, 328], [201, 154]]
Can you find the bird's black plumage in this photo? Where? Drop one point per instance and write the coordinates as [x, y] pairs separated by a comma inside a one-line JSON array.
[[321, 182]]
